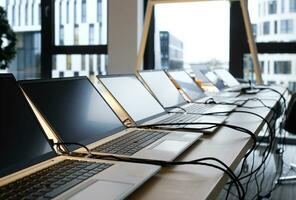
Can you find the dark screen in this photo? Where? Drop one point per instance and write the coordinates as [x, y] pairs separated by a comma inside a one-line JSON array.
[[187, 84], [74, 108], [23, 142], [163, 88]]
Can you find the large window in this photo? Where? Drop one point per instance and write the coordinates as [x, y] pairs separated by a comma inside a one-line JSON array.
[[266, 28], [191, 34], [292, 4], [272, 7], [74, 38]]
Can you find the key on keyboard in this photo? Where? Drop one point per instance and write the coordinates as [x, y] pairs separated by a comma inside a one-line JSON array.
[[52, 181], [130, 143]]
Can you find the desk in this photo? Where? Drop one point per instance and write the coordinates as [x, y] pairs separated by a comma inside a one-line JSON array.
[[228, 145]]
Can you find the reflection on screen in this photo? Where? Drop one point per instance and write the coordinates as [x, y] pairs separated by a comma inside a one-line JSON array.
[[200, 76], [74, 108], [133, 96], [215, 80], [22, 139], [187, 84], [228, 79], [163, 88]]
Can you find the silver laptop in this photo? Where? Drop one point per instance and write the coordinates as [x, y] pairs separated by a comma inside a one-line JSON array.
[[142, 108], [78, 113], [195, 94], [30, 169]]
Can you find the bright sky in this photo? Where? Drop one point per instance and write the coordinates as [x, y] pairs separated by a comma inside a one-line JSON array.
[[202, 26]]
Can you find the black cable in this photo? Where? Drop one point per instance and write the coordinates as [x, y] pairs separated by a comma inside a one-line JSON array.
[[228, 171]]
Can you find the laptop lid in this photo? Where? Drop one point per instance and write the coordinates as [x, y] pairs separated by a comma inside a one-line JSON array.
[[219, 83], [200, 76], [133, 96], [23, 142], [187, 84], [74, 108], [228, 79], [163, 88]]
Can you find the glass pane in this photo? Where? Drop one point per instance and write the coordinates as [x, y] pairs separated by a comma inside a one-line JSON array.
[[79, 65], [25, 19], [276, 69], [273, 20], [84, 22], [192, 34]]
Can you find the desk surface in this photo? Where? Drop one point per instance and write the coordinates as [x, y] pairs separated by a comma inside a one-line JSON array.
[[228, 145]]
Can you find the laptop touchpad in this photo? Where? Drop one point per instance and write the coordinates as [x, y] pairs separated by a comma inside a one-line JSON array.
[[171, 145], [103, 189]]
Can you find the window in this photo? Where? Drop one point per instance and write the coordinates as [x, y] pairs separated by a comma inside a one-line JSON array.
[[32, 13], [91, 65], [283, 6], [60, 12], [83, 62], [179, 44], [287, 26], [266, 28], [76, 73], [39, 14], [292, 5], [67, 11], [69, 62], [83, 11], [262, 66], [75, 12], [272, 7], [76, 34], [19, 14], [99, 10], [13, 15], [26, 13], [91, 34], [61, 35], [292, 86], [282, 67], [61, 74], [275, 27]]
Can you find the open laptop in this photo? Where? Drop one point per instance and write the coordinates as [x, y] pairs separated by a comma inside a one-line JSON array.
[[188, 86], [77, 113], [30, 169], [170, 97], [143, 108], [204, 82], [231, 83]]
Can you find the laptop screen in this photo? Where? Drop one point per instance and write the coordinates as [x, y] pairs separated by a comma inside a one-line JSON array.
[[23, 142], [74, 108], [200, 76], [133, 96], [219, 83], [228, 79], [187, 84], [163, 88]]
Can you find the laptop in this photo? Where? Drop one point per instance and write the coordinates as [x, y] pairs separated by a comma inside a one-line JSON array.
[[142, 107], [194, 92], [204, 82], [165, 90], [78, 113], [30, 168]]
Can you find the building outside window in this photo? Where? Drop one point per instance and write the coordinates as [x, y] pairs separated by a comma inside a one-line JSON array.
[[67, 11], [283, 6], [292, 4], [61, 35], [91, 34], [83, 62], [32, 13], [75, 12], [266, 28], [26, 13], [287, 26], [69, 62], [282, 67], [272, 5], [76, 34], [99, 10], [83, 11], [275, 27]]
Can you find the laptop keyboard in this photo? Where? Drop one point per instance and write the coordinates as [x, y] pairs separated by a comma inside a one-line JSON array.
[[130, 143], [180, 118], [198, 108], [52, 181]]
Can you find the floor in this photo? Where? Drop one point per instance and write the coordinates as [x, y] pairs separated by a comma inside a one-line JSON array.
[[266, 177]]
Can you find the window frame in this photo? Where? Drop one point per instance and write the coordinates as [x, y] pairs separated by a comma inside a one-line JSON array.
[[48, 47]]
